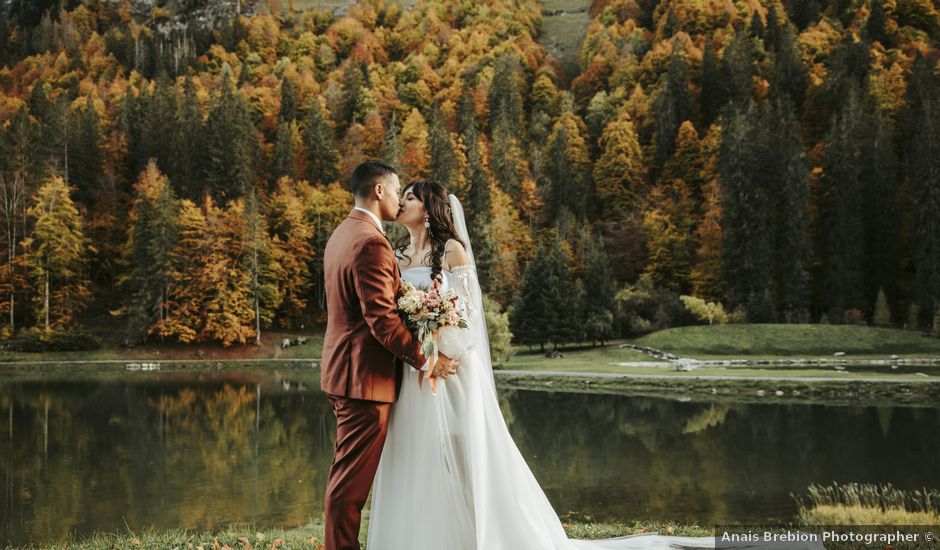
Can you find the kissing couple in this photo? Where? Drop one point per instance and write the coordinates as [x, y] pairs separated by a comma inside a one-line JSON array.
[[443, 469]]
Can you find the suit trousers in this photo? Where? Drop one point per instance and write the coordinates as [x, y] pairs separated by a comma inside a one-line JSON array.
[[361, 427]]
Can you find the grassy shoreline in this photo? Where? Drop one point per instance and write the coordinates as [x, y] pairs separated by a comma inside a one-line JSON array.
[[310, 536], [924, 393], [781, 363]]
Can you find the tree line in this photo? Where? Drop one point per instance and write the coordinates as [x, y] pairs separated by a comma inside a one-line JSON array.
[[776, 158]]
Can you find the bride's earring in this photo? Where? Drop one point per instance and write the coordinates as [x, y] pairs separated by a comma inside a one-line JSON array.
[[427, 224]]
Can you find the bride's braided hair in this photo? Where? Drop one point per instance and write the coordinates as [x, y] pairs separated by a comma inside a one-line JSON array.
[[437, 205]]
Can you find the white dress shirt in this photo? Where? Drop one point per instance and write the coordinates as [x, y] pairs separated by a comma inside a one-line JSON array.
[[372, 215]]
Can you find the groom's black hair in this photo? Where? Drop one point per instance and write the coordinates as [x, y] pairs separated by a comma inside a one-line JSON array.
[[364, 176]]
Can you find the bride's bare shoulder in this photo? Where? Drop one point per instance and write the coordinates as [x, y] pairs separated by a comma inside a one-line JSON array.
[[455, 254]]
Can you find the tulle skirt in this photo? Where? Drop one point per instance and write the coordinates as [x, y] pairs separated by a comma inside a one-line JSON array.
[[451, 478]]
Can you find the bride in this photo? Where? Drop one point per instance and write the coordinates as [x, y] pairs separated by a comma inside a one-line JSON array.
[[450, 476]]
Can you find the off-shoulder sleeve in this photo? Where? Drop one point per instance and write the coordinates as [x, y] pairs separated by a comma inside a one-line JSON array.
[[467, 288], [453, 341]]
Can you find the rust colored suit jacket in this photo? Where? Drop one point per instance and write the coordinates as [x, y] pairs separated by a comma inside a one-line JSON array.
[[365, 340]]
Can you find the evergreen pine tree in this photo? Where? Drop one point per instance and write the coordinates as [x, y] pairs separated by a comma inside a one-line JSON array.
[[393, 145], [190, 145], [803, 13], [563, 322], [505, 159], [282, 163], [882, 315], [86, 159], [567, 168], [737, 69], [231, 146], [50, 127], [322, 158], [713, 94], [505, 97], [789, 211], [922, 162], [841, 212], [746, 239], [599, 296], [532, 307], [159, 129], [288, 109], [506, 117], [875, 29], [443, 164], [881, 212], [151, 238], [789, 75], [355, 105], [479, 203], [672, 106]]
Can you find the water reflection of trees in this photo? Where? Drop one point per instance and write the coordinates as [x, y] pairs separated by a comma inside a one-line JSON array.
[[168, 456], [199, 452], [632, 457]]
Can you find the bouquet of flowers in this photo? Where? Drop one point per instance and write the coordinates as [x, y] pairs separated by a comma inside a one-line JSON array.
[[426, 312]]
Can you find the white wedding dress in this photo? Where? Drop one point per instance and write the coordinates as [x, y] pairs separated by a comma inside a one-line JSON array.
[[450, 476]]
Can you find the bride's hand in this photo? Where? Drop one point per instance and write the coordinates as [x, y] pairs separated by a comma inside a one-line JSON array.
[[440, 367], [445, 366]]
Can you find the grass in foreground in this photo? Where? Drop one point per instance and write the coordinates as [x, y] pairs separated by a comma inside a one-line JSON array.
[[847, 504], [806, 340], [310, 537]]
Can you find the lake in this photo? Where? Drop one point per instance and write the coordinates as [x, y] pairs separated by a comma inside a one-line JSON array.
[[198, 449]]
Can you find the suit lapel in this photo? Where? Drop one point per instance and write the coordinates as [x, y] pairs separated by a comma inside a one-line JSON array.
[[365, 218]]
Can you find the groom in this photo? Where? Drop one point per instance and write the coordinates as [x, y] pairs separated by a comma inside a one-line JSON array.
[[364, 347]]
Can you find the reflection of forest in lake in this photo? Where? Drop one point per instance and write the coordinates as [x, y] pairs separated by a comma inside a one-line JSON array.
[[197, 450]]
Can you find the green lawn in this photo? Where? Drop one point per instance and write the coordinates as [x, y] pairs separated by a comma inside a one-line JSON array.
[[775, 340], [581, 359], [561, 35]]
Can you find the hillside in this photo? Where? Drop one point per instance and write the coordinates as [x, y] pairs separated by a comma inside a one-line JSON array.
[[776, 157]]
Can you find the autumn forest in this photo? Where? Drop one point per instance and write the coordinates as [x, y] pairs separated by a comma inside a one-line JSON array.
[[779, 158]]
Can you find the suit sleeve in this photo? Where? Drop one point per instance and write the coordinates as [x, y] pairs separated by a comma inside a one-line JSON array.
[[374, 275]]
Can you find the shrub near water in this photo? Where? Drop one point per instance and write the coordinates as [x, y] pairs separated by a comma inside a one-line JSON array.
[[39, 341], [869, 504]]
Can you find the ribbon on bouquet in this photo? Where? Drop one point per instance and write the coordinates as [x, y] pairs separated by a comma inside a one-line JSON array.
[[432, 361], [432, 382]]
